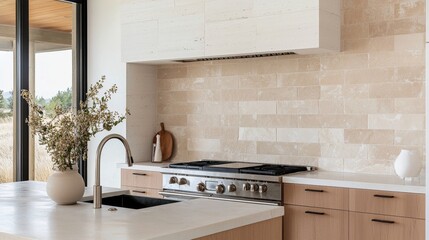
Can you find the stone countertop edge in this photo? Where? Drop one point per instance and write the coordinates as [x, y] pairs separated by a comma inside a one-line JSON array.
[[180, 221], [357, 181]]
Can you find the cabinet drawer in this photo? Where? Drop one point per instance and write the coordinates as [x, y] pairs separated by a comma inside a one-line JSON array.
[[145, 192], [388, 203], [315, 223], [316, 196], [141, 179], [380, 227]]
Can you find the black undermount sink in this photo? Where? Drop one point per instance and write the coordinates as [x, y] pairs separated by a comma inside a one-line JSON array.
[[133, 202]]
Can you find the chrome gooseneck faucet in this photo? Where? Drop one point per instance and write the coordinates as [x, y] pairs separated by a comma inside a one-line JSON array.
[[97, 187]]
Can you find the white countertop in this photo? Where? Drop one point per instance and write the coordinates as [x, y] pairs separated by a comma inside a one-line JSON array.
[[26, 211], [357, 180]]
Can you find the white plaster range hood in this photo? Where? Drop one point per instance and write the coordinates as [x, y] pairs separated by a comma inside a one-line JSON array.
[[156, 31]]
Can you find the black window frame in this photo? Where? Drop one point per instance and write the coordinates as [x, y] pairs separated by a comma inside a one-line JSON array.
[[22, 81]]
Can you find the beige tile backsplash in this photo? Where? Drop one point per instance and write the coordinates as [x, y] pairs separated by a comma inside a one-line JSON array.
[[351, 111]]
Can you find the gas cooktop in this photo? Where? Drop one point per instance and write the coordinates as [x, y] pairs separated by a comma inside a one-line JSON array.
[[241, 167]]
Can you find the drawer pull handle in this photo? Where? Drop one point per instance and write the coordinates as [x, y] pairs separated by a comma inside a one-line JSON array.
[[313, 190], [382, 221], [315, 213], [383, 196], [139, 174], [137, 191]]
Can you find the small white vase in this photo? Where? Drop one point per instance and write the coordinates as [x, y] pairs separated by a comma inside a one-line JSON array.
[[408, 164], [158, 153], [65, 187]]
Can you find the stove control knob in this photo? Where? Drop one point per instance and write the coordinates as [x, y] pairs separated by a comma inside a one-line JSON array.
[[183, 181], [246, 186], [173, 180], [254, 187], [263, 188], [220, 188], [232, 188], [201, 187]]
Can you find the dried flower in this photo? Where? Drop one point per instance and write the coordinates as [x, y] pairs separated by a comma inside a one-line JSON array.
[[67, 133]]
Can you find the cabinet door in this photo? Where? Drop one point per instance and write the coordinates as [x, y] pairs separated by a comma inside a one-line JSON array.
[[141, 179], [304, 223], [388, 203], [316, 196], [381, 227], [145, 192]]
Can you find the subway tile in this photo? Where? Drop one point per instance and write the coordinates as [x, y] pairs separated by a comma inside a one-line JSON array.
[[409, 138], [259, 81], [201, 120], [298, 135], [410, 9], [368, 136], [331, 164], [258, 107], [277, 121], [298, 107], [331, 135], [396, 90], [396, 121], [257, 134], [335, 77], [368, 76], [278, 94], [410, 105], [331, 106], [344, 150], [298, 79], [344, 61], [206, 145], [362, 106]]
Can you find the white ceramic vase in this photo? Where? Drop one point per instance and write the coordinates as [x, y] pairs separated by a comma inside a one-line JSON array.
[[158, 153], [408, 164], [65, 187]]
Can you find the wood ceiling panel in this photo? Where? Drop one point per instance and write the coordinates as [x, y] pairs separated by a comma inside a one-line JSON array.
[[45, 14]]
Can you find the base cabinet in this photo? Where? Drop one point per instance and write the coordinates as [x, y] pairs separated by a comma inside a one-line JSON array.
[[327, 213], [381, 227], [315, 223], [142, 183]]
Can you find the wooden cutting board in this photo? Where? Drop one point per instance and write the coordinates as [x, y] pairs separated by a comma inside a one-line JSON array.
[[166, 140]]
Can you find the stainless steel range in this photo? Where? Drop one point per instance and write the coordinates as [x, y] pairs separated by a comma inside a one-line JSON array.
[[232, 181]]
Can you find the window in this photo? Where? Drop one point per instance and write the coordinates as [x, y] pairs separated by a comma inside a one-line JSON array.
[[50, 55]]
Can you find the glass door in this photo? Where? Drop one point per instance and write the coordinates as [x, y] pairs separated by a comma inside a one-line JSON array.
[[51, 68], [7, 41]]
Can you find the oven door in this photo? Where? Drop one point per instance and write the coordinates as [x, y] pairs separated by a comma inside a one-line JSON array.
[[181, 196]]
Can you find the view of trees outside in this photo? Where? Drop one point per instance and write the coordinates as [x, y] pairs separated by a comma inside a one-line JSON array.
[[53, 84]]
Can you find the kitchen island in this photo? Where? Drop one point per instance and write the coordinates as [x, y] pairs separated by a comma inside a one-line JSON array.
[[27, 211]]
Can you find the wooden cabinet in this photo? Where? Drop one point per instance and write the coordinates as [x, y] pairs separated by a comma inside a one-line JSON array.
[[319, 212], [365, 226], [316, 196], [388, 203], [315, 212], [315, 223], [142, 183]]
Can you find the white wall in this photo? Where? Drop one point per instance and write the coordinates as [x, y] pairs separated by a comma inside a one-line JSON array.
[[104, 58]]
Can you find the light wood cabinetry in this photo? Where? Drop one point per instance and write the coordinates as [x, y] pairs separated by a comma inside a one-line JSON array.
[[318, 212], [388, 203], [365, 226], [315, 223], [142, 183], [316, 196], [267, 230]]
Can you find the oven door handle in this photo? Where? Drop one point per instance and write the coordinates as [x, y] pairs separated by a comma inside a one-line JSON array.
[[166, 194]]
